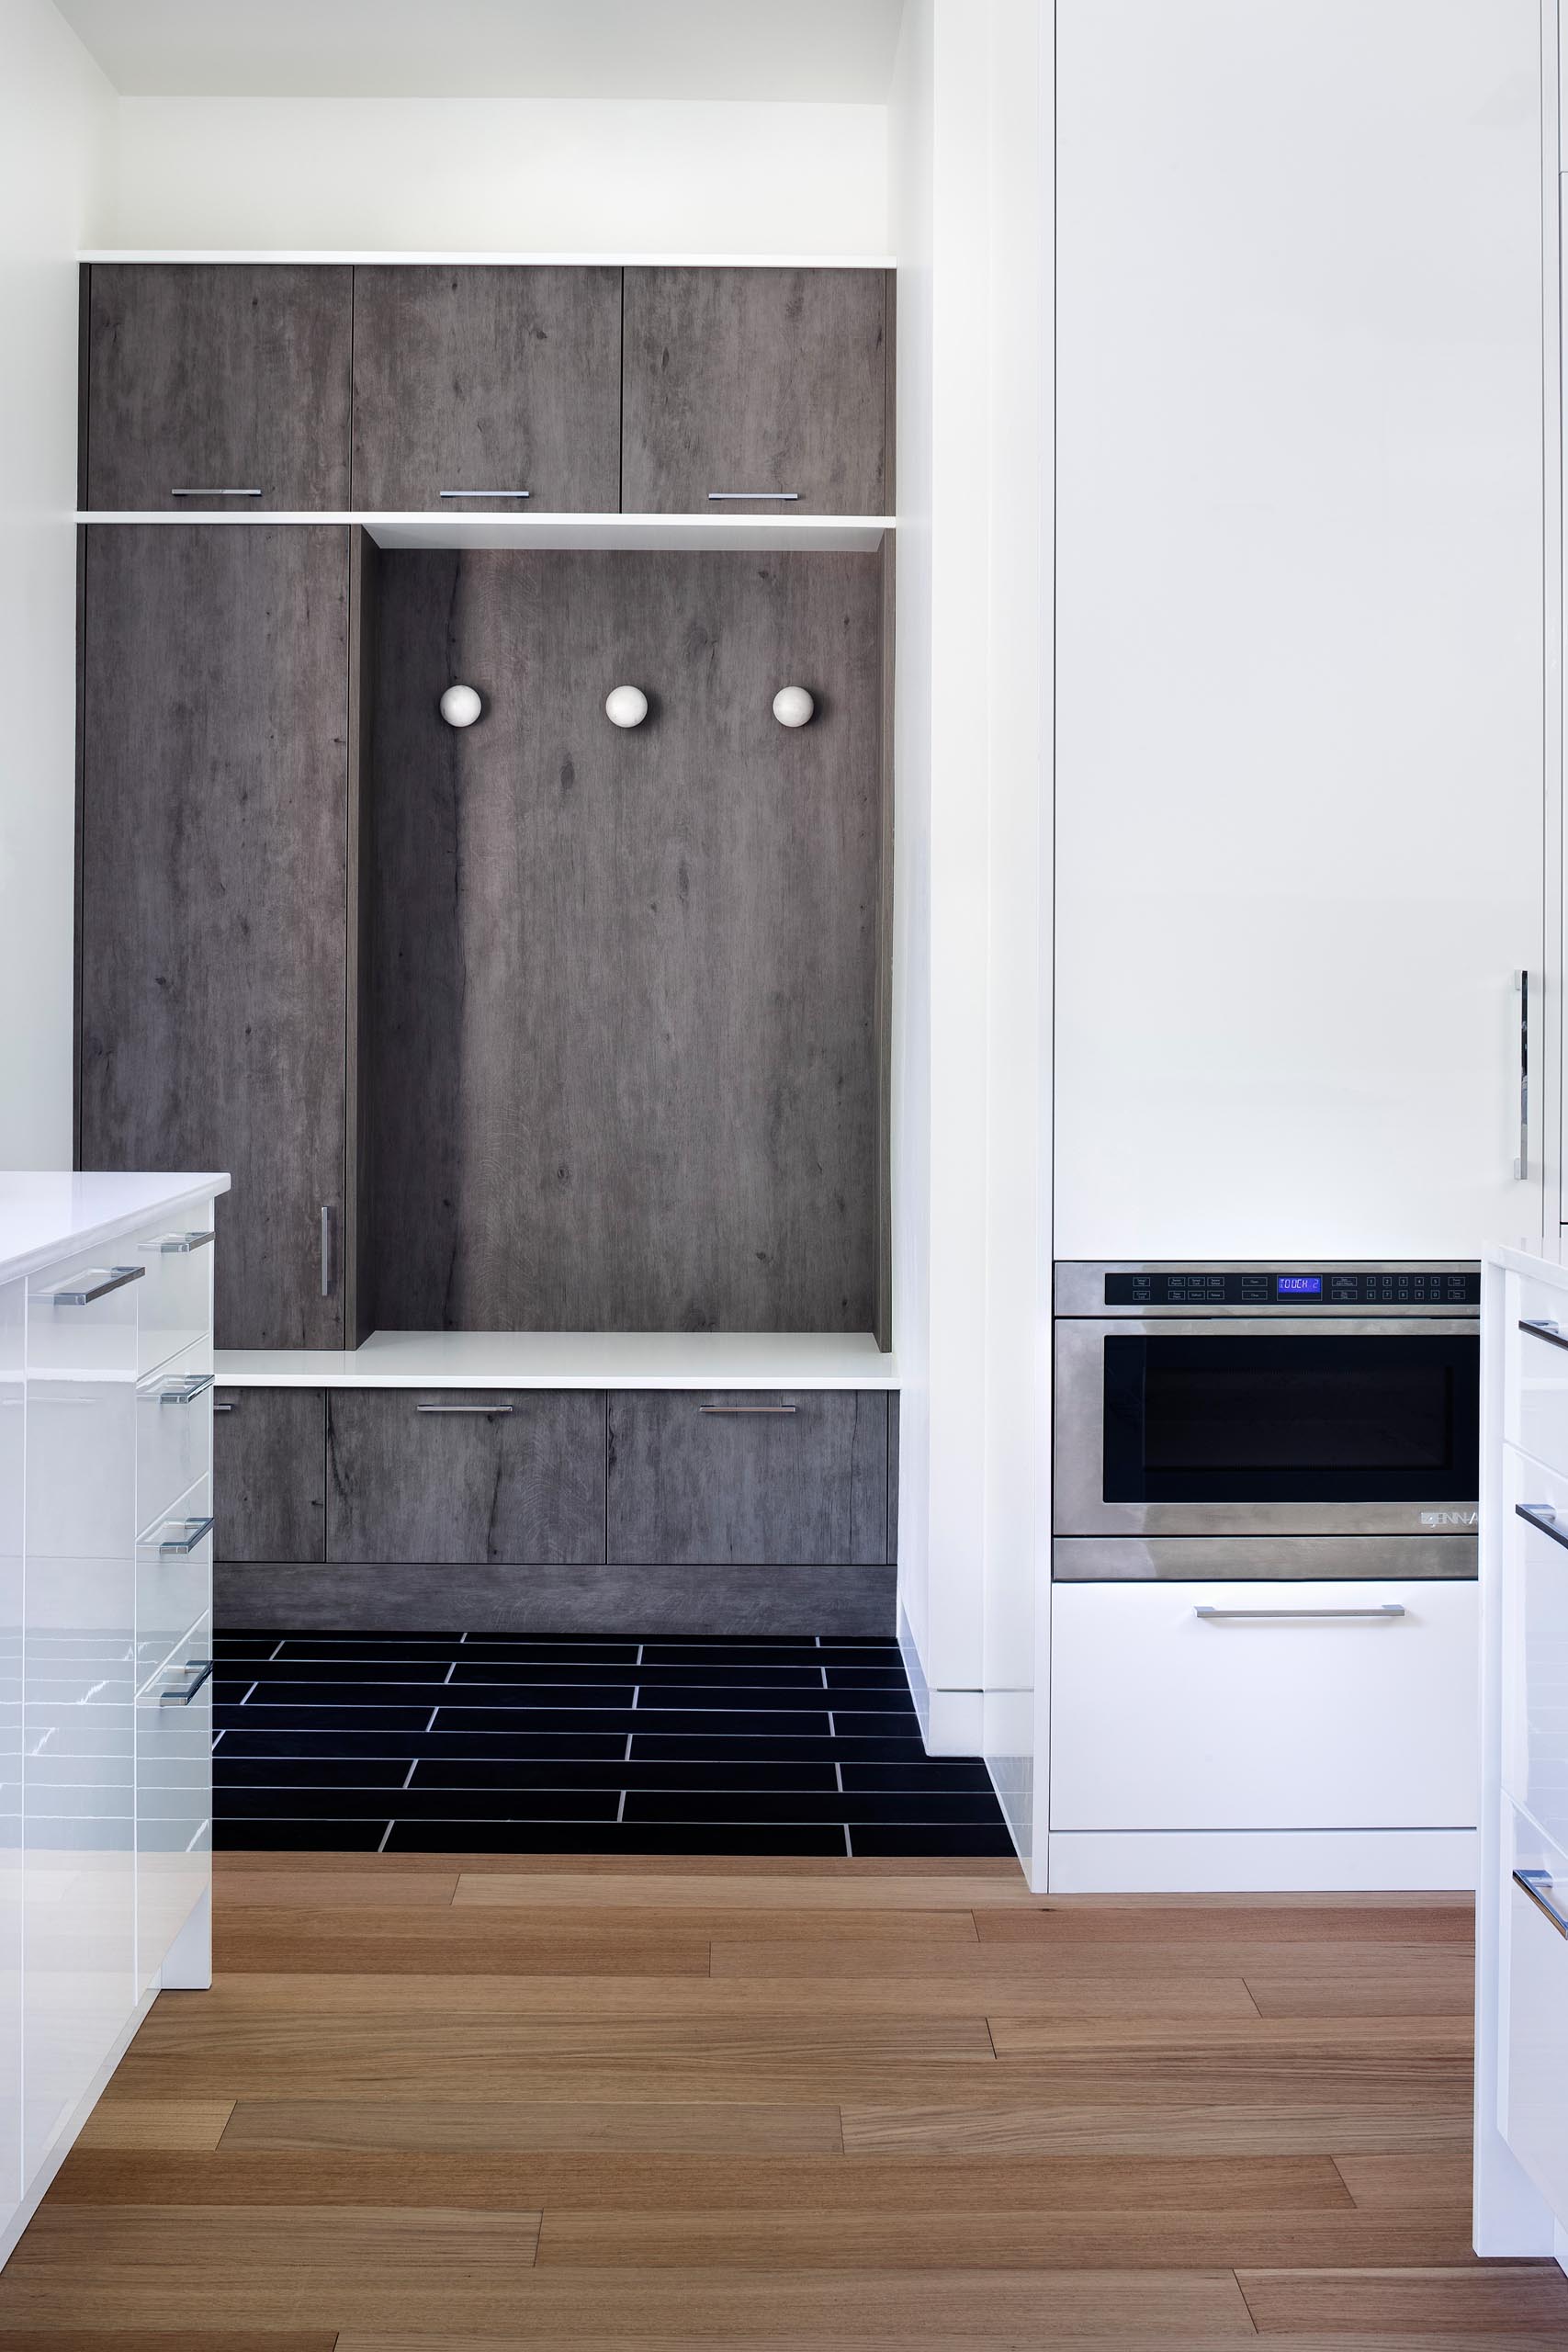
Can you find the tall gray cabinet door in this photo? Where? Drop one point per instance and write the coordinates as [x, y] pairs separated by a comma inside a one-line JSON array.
[[766, 380], [208, 382], [767, 1480], [213, 893], [474, 386]]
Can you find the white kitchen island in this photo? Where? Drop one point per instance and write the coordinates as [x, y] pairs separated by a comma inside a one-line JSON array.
[[106, 1637]]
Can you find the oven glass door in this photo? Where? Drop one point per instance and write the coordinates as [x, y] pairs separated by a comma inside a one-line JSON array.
[[1291, 1419]]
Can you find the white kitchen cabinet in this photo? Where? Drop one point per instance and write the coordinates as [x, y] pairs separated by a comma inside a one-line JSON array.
[[105, 1787], [1299, 590]]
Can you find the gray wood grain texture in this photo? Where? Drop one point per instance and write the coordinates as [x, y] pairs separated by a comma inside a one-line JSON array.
[[893, 1478], [359, 1256], [487, 379], [269, 1473], [512, 1487], [212, 849], [751, 1486], [218, 376], [767, 379], [624, 983], [740, 1604]]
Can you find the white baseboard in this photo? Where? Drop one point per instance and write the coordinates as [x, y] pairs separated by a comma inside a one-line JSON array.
[[952, 1722], [1229, 1862]]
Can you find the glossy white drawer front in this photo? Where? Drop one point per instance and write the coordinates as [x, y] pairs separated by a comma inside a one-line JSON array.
[[1534, 1406], [12, 1328], [176, 1296], [1533, 1528], [174, 1576], [174, 1797], [1532, 2079], [174, 1434], [1264, 1706]]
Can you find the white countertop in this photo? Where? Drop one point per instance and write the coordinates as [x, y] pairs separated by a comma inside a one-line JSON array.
[[53, 1214], [1547, 1259], [571, 1360]]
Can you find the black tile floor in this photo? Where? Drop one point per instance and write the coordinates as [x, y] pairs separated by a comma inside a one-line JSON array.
[[480, 1743]]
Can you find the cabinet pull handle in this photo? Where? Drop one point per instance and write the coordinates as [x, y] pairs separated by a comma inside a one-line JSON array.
[[180, 1244], [1384, 1608], [214, 493], [486, 493], [1543, 1519], [195, 1530], [1522, 990], [97, 1284], [1531, 1882], [186, 1390], [326, 1252], [1542, 1330], [747, 1409], [784, 497], [203, 1667], [486, 1409], [222, 1408]]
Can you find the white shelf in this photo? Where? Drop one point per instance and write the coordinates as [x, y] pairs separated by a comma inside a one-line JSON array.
[[733, 533], [740, 1360], [371, 258]]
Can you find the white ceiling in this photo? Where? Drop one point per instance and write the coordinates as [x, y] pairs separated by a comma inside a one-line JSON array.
[[821, 49]]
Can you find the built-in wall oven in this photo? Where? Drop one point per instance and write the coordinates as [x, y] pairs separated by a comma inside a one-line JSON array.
[[1310, 1420]]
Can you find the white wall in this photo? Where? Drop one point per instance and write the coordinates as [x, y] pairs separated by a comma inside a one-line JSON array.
[[495, 175], [55, 114]]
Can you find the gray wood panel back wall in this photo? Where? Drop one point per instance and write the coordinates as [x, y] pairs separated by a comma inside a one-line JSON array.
[[217, 375], [623, 984], [212, 849], [478, 378]]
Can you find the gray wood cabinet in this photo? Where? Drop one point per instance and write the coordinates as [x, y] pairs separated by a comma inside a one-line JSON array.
[[623, 984], [481, 1476], [212, 854], [755, 380], [203, 376], [482, 379], [718, 1478], [269, 1474]]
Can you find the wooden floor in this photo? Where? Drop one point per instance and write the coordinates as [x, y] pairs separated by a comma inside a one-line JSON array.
[[433, 2104]]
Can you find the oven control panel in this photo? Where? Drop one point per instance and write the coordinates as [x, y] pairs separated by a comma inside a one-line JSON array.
[[1298, 1286]]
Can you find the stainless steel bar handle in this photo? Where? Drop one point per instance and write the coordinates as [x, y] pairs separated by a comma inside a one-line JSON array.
[[1385, 1609], [781, 497], [1522, 989], [222, 1408], [1531, 1882], [186, 1390], [487, 1409], [486, 493], [1544, 1330], [326, 1252], [183, 1697], [747, 1409], [180, 1244], [97, 1284], [195, 1530], [214, 493], [1543, 1519]]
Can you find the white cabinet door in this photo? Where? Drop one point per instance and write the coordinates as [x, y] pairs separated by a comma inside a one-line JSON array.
[[79, 1892], [1533, 2056], [1299, 624], [174, 1798], [1166, 1718], [13, 1336]]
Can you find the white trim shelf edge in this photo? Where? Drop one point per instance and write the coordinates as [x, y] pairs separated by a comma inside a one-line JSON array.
[[707, 1359], [371, 258], [733, 533]]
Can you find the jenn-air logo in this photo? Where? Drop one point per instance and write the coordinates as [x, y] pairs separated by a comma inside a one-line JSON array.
[[1449, 1518]]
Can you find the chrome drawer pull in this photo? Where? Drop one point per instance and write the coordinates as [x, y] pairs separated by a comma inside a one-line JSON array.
[[1531, 1882], [214, 493], [195, 1530], [1384, 1608], [180, 1244], [1543, 1519], [222, 1408], [486, 493], [747, 1409], [186, 1390], [1545, 1330], [464, 1408], [97, 1284], [183, 1697], [784, 497]]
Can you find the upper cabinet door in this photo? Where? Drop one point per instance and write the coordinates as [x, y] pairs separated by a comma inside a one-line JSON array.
[[481, 390], [218, 386], [773, 381]]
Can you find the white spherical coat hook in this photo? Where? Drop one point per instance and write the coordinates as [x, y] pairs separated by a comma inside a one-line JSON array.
[[460, 706], [625, 706], [792, 706]]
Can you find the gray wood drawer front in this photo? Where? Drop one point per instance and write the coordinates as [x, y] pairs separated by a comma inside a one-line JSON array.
[[755, 380], [466, 1476], [487, 379], [788, 1477], [206, 376], [269, 1460]]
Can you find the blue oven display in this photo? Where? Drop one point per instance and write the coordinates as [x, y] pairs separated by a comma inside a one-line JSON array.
[[1299, 1287]]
